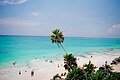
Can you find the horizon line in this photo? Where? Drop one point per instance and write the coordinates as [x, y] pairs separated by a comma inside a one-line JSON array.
[[48, 36]]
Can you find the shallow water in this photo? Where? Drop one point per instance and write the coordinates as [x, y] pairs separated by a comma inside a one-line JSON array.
[[24, 48]]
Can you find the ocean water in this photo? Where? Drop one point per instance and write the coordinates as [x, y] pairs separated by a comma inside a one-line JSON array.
[[25, 48]]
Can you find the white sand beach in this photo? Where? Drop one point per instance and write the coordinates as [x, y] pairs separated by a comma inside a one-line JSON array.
[[45, 70]]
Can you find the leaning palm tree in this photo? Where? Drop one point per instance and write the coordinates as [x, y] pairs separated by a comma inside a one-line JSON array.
[[57, 37]]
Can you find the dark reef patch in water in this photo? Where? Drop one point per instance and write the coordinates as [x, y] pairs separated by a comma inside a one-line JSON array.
[[4, 51]]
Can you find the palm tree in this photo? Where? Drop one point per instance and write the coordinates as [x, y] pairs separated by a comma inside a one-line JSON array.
[[57, 37], [76, 74], [70, 62], [89, 68]]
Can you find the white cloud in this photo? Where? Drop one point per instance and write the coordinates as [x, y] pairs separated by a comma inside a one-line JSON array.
[[6, 2], [35, 14], [18, 22], [114, 28]]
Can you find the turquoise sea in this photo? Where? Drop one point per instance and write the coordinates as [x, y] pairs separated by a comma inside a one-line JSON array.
[[25, 48]]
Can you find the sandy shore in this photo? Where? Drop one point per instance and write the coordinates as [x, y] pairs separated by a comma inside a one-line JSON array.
[[45, 69]]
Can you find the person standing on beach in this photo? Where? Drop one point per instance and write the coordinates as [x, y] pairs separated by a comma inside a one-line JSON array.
[[19, 72], [32, 73]]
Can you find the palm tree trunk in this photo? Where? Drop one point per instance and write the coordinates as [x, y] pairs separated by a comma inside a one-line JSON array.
[[63, 48]]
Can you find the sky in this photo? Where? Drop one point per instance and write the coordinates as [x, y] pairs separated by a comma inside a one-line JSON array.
[[76, 18]]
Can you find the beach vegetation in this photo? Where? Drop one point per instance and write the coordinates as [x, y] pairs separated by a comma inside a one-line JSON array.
[[76, 74], [58, 37], [87, 72], [70, 62], [89, 68]]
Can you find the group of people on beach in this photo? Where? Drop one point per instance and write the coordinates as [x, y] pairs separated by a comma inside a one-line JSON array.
[[63, 74], [32, 73], [60, 65]]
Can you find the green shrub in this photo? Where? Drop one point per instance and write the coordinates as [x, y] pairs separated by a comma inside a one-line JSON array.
[[76, 74]]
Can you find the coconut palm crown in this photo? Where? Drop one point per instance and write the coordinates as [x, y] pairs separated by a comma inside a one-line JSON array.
[[70, 62], [57, 37]]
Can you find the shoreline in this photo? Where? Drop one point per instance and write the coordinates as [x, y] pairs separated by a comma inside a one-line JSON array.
[[46, 69]]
